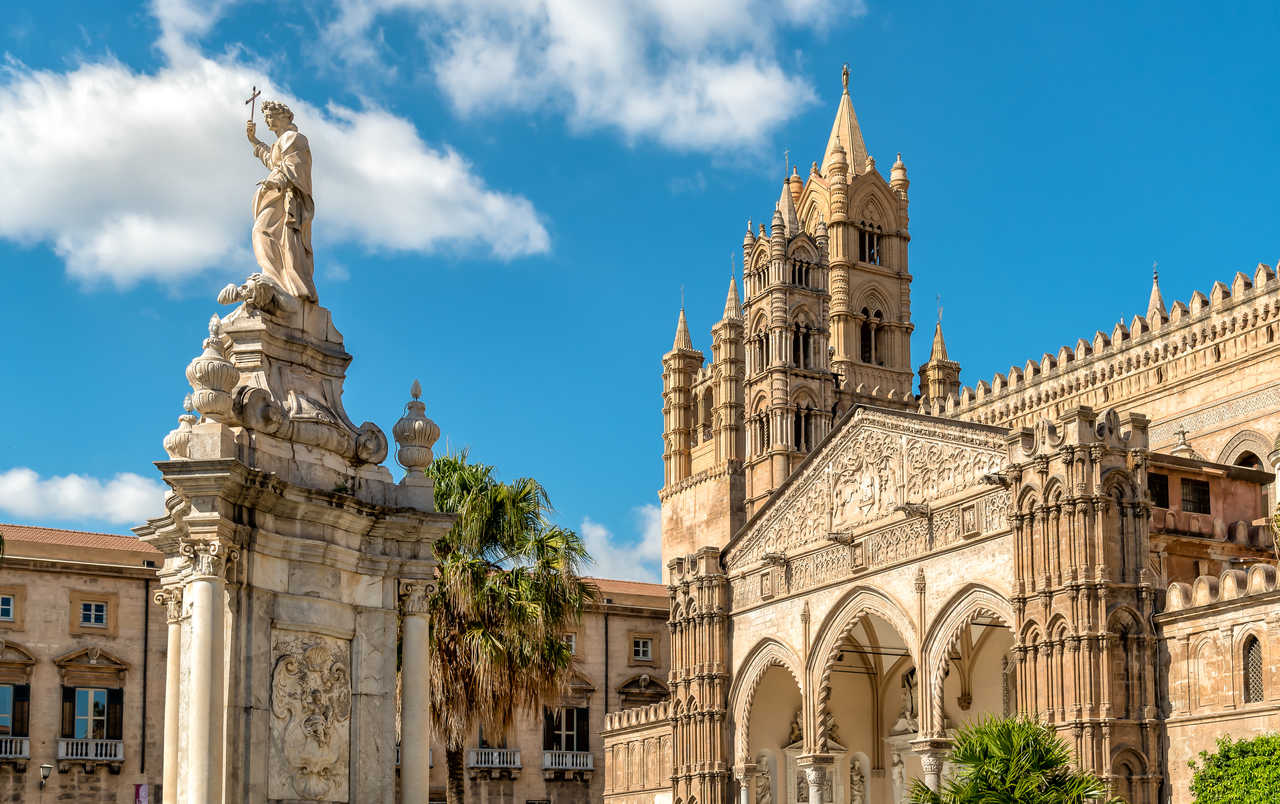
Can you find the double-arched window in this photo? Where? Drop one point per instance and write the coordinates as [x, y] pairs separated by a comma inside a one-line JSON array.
[[871, 337]]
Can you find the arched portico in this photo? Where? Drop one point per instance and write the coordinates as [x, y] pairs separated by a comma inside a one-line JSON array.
[[968, 656], [865, 700]]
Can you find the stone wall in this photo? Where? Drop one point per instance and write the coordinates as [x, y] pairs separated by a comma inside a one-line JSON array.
[[637, 747], [1206, 626]]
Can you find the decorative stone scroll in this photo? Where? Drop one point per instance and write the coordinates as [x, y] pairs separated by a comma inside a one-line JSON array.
[[413, 596], [310, 718], [208, 559], [878, 462]]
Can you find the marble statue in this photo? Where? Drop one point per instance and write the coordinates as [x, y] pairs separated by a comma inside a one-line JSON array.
[[857, 783], [283, 206], [898, 773], [764, 786]]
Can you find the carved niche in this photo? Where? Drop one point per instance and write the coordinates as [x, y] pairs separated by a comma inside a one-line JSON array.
[[310, 718]]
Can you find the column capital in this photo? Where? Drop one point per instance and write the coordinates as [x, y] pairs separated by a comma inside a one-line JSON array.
[[208, 559], [171, 599], [413, 593]]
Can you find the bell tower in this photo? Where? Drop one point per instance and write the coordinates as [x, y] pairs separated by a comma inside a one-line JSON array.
[[867, 224]]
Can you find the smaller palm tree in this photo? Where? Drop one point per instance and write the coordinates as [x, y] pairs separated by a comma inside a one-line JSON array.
[[1012, 761]]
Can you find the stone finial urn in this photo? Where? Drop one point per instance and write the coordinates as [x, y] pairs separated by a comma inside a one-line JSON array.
[[212, 376], [415, 434]]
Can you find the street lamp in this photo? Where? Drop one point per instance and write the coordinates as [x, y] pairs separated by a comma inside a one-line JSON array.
[[45, 770]]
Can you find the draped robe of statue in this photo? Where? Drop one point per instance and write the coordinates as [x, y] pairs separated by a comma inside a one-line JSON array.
[[282, 216]]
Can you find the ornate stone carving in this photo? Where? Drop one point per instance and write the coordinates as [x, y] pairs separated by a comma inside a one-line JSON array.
[[208, 559], [415, 434], [171, 599], [310, 718], [857, 783], [764, 781], [872, 466], [414, 595], [178, 442], [212, 376]]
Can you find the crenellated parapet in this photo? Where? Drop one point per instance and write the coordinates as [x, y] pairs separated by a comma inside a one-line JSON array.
[[1129, 366], [638, 717]]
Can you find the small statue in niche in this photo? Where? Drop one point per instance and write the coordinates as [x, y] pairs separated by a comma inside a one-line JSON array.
[[898, 772], [764, 784], [857, 782]]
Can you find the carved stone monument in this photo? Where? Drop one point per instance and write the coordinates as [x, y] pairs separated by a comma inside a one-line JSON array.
[[295, 567]]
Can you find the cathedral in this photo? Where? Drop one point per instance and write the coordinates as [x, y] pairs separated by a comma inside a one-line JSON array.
[[863, 556]]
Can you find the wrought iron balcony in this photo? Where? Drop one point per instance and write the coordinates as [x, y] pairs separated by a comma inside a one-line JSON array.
[[15, 748], [493, 758], [568, 760], [91, 750]]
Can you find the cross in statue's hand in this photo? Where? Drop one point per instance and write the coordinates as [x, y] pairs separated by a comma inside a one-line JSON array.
[[251, 102]]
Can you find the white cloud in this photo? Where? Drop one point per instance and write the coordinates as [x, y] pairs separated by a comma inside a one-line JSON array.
[[126, 499], [638, 560], [697, 75], [134, 175]]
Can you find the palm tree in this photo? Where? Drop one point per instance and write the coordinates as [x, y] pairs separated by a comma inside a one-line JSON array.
[[1012, 761], [508, 588]]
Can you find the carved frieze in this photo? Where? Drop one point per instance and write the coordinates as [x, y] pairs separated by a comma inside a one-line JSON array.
[[880, 461], [310, 718]]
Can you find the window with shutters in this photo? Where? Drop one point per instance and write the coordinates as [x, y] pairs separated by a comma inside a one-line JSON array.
[[1252, 670], [566, 729], [15, 708], [92, 713]]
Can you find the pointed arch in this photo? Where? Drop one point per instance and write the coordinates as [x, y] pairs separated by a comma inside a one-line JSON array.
[[838, 624], [766, 653], [971, 603]]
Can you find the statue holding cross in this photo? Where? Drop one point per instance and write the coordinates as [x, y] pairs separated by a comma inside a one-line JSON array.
[[283, 207]]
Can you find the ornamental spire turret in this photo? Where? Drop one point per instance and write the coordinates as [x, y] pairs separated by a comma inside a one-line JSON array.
[[1155, 305], [732, 306], [682, 342], [845, 132]]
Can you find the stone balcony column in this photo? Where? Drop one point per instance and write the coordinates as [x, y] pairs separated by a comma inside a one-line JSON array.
[[204, 705], [415, 713], [932, 752], [171, 599]]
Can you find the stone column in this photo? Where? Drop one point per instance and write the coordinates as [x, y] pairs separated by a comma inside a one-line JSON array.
[[171, 599], [746, 773], [932, 751], [816, 768], [205, 705], [415, 712]]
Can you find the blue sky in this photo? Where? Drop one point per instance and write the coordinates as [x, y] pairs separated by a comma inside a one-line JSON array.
[[511, 193]]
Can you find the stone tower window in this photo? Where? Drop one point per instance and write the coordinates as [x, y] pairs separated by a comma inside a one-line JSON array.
[[1252, 670], [869, 243]]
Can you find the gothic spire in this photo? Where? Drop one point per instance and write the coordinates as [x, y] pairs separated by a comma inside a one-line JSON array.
[[1155, 307], [787, 206], [939, 345], [845, 131], [683, 341], [732, 307]]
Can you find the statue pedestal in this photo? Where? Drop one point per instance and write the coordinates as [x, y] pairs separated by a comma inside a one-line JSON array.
[[292, 559]]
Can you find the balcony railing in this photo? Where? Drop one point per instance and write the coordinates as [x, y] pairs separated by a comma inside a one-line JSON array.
[[493, 758], [568, 760], [91, 750], [15, 748]]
